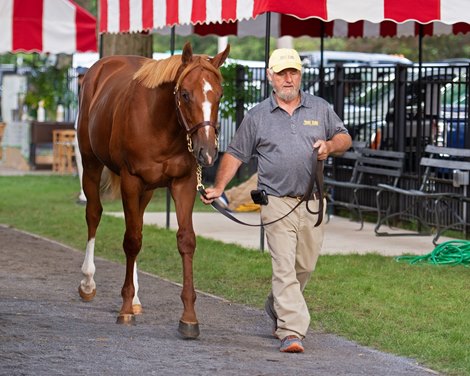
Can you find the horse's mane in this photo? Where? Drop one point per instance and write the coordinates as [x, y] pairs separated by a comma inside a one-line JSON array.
[[154, 73]]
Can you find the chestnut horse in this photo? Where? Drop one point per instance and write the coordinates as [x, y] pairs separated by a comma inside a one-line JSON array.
[[153, 123]]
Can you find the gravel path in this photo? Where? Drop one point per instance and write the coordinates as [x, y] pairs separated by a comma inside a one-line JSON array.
[[45, 329]]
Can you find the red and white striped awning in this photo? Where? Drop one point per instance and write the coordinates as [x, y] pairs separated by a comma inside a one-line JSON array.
[[343, 18], [52, 26], [282, 25]]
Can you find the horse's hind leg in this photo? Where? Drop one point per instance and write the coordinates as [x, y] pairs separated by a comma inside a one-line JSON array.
[[91, 187], [136, 305], [134, 200]]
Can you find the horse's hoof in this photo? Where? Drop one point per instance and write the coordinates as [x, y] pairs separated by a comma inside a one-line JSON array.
[[188, 330], [137, 309], [87, 297], [126, 319]]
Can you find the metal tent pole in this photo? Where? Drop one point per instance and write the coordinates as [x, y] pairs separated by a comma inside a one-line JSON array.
[[419, 125], [322, 50], [266, 94], [267, 51]]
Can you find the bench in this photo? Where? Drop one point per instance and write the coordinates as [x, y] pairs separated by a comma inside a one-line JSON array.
[[371, 167], [340, 167], [441, 195]]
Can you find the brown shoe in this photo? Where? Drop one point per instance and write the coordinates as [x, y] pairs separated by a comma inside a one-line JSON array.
[[291, 344]]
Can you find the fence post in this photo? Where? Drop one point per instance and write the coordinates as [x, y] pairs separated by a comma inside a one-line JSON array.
[[338, 100], [399, 108], [467, 123], [467, 146], [240, 104], [240, 80]]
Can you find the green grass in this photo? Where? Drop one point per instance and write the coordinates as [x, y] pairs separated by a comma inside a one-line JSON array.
[[420, 312]]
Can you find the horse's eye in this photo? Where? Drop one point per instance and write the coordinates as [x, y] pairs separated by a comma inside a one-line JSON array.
[[185, 96]]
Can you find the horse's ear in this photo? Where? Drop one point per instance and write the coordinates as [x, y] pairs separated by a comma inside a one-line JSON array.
[[219, 59], [187, 53]]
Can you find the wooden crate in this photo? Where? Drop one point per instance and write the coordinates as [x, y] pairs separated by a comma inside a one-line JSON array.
[[63, 151]]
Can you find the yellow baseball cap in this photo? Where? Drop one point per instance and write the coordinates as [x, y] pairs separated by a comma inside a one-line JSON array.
[[284, 58]]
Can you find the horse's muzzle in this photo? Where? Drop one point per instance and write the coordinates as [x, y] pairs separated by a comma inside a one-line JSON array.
[[205, 144], [205, 156]]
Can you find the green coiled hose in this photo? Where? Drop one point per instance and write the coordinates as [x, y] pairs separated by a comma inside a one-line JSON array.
[[453, 252]]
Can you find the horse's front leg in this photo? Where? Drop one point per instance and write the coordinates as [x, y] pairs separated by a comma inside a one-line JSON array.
[[136, 304], [132, 196], [87, 288], [184, 196]]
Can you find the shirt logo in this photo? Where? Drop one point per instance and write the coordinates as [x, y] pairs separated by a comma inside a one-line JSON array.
[[311, 122]]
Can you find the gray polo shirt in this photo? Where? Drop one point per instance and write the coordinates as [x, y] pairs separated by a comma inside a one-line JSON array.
[[283, 144]]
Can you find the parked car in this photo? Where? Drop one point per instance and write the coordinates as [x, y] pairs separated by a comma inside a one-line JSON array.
[[454, 111], [371, 115], [331, 58]]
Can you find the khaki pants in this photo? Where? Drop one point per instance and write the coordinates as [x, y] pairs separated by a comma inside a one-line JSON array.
[[294, 244]]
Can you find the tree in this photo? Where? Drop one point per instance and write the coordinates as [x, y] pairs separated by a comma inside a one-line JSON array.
[[123, 43], [126, 44], [48, 82]]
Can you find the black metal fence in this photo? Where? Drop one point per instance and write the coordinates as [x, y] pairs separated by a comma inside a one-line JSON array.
[[389, 107], [396, 107]]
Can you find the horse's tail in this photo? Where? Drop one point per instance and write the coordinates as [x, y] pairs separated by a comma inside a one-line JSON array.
[[110, 185]]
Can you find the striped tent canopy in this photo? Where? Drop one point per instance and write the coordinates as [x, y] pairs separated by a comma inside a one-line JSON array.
[[47, 26], [341, 18]]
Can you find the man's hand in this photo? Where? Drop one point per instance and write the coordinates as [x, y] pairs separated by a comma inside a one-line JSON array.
[[211, 195], [226, 171], [337, 145], [323, 150]]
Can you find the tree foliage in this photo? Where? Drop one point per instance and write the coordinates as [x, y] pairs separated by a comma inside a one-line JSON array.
[[48, 83], [235, 93], [89, 5]]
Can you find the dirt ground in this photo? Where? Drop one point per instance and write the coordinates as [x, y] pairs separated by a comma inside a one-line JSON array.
[[45, 329]]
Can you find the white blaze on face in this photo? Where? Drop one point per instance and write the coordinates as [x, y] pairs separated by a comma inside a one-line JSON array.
[[206, 105]]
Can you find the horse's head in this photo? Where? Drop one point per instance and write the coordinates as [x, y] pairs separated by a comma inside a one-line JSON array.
[[198, 92]]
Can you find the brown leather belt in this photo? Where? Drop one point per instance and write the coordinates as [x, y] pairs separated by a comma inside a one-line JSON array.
[[315, 196]]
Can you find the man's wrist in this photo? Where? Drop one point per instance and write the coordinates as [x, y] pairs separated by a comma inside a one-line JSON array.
[[329, 147]]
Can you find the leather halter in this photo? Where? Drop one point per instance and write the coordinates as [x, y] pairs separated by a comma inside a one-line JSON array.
[[181, 119]]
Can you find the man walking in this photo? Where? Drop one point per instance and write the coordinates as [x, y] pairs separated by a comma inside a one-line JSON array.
[[282, 132]]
